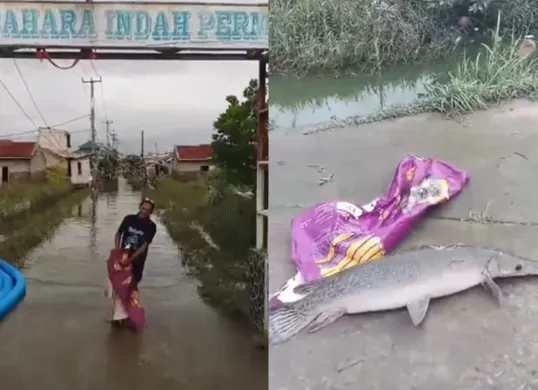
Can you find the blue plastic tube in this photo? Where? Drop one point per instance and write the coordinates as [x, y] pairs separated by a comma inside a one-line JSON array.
[[12, 288]]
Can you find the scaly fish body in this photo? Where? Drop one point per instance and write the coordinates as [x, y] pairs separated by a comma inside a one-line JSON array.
[[408, 279]]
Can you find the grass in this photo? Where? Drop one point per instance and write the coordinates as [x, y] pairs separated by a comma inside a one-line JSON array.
[[497, 76], [37, 227], [328, 36], [309, 36], [215, 232], [22, 196]]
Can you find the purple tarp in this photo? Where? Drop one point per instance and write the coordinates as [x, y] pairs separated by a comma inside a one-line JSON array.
[[333, 236]]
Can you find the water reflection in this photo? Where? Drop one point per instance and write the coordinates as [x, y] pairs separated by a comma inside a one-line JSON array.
[[310, 100]]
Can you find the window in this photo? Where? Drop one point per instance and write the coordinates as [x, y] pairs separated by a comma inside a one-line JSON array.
[[68, 138], [204, 168], [79, 168]]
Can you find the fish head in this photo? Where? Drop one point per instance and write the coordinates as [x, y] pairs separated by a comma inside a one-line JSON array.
[[505, 265]]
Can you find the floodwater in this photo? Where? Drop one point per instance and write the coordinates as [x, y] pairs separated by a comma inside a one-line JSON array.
[[59, 338], [298, 102]]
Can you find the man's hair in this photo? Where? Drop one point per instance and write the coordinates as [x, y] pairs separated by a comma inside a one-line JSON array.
[[149, 201]]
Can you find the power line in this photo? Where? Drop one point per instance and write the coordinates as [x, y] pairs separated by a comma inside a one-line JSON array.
[[2, 136], [29, 92], [70, 121], [18, 104]]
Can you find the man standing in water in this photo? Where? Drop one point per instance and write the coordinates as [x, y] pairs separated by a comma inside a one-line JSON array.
[[137, 231]]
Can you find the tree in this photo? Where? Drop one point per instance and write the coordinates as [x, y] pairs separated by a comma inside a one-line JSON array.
[[234, 138]]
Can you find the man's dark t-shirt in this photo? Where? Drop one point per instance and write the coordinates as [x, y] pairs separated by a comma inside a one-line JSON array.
[[136, 231]]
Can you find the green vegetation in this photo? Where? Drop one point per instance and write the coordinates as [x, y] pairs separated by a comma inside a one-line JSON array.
[[215, 234], [213, 218], [233, 139], [312, 36], [20, 197], [132, 168], [497, 76], [36, 228], [108, 162]]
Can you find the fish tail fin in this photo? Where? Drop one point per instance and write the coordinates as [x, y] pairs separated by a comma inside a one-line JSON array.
[[285, 322]]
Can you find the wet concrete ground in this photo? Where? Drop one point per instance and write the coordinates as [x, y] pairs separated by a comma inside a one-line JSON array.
[[58, 338], [467, 341]]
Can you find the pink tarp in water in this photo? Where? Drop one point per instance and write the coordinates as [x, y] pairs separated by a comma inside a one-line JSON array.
[[333, 236], [125, 290]]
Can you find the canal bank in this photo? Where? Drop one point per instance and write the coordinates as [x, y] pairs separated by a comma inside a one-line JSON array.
[[467, 341], [58, 338]]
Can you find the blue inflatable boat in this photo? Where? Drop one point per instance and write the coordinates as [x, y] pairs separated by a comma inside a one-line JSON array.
[[12, 288]]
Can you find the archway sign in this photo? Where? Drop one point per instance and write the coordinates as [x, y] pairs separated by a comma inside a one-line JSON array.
[[132, 30], [120, 30]]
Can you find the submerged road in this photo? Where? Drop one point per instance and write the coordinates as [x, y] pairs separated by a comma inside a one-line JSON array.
[[58, 338], [467, 342]]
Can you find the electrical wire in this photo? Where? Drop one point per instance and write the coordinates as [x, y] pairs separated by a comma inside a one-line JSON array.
[[21, 75], [18, 104], [52, 127], [29, 92]]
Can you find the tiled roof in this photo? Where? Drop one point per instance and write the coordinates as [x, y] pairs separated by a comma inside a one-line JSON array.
[[193, 152], [17, 149]]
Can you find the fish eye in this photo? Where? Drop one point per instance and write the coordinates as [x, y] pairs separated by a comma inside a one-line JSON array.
[[519, 267]]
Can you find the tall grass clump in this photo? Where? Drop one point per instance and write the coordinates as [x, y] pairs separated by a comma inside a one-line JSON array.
[[329, 35], [324, 36], [496, 75]]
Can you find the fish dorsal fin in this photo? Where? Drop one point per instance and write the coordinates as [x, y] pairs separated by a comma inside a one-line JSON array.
[[418, 309]]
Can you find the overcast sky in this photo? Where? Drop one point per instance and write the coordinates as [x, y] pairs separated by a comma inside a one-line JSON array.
[[173, 102]]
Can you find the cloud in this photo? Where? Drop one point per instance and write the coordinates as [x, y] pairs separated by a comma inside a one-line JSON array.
[[173, 102]]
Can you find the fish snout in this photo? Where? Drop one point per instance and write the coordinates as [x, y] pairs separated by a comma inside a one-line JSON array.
[[514, 266]]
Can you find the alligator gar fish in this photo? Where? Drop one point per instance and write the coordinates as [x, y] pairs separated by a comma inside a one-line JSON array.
[[408, 279]]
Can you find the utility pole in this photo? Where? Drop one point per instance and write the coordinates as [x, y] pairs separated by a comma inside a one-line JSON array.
[[93, 81], [156, 150], [143, 168], [142, 144], [108, 123]]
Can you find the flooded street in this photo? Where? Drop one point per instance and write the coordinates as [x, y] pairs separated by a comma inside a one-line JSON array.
[[59, 338]]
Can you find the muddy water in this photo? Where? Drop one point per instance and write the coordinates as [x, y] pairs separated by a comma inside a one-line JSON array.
[[59, 339], [297, 102]]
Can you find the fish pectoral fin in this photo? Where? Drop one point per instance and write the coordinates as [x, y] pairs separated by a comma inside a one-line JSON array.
[[490, 285], [417, 310], [326, 318]]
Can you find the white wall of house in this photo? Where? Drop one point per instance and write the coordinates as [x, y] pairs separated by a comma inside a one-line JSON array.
[[190, 166], [54, 160], [81, 173], [55, 140], [22, 168]]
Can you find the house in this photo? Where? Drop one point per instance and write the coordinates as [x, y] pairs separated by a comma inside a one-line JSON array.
[[89, 147], [55, 145], [191, 160], [158, 165], [79, 169], [21, 161]]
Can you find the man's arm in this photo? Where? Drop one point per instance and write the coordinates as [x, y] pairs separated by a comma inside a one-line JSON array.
[[119, 233]]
